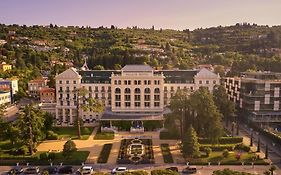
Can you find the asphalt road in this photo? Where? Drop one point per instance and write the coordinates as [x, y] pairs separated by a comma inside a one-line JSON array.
[[201, 170]]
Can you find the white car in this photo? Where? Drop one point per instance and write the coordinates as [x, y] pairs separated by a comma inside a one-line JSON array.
[[86, 170], [119, 170]]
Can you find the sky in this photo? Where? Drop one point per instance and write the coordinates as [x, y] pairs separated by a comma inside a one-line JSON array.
[[171, 14]]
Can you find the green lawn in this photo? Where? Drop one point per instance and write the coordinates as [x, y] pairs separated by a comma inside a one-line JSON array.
[[104, 136], [71, 132], [216, 157]]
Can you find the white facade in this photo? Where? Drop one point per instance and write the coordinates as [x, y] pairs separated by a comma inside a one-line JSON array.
[[135, 90]]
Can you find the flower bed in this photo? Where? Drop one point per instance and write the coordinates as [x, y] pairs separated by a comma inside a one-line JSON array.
[[104, 154], [167, 156]]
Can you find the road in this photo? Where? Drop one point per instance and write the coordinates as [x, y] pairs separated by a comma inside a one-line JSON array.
[[201, 170], [11, 113], [274, 150]]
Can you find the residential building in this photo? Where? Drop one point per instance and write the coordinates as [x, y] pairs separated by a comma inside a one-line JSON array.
[[5, 98], [8, 86], [258, 94], [134, 93], [47, 95], [5, 67], [34, 86]]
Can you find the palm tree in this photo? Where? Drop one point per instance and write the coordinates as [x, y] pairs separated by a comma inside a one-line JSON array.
[[88, 104]]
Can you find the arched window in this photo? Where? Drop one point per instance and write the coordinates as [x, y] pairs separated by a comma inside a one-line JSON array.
[[137, 91], [127, 90], [146, 90], [117, 91], [157, 90]]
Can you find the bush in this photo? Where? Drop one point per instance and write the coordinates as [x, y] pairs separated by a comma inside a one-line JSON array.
[[44, 156], [242, 147], [168, 158], [207, 150], [104, 136], [23, 150], [69, 147], [225, 153], [152, 125], [51, 135], [104, 154], [52, 155], [218, 147], [222, 140], [163, 172], [228, 171], [168, 135]]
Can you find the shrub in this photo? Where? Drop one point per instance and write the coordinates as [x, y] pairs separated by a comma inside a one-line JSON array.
[[23, 150], [222, 140], [44, 156], [152, 125], [168, 158], [69, 147], [225, 153], [207, 150], [104, 154], [163, 172], [218, 147], [52, 155], [51, 135], [167, 135], [242, 147]]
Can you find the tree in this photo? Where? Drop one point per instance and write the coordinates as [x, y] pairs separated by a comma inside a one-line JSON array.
[[190, 143], [98, 67], [208, 150], [31, 124], [69, 147], [225, 106], [88, 104], [259, 145]]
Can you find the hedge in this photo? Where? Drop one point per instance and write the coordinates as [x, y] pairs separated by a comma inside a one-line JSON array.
[[104, 154], [167, 156], [165, 135], [218, 147], [222, 140]]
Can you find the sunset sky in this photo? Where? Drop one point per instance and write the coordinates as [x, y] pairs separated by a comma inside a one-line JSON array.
[[174, 14]]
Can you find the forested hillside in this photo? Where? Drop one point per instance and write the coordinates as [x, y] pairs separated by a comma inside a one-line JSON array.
[[48, 50]]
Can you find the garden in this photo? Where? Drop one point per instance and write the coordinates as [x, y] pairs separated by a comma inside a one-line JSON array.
[[105, 135], [104, 154], [68, 133], [135, 151], [167, 156]]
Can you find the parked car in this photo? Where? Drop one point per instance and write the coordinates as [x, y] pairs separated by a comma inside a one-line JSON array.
[[51, 169], [16, 170], [119, 170], [32, 170], [86, 170], [189, 170], [173, 168], [66, 170]]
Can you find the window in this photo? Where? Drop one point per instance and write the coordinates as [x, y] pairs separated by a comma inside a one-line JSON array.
[[60, 82], [129, 82], [137, 91], [90, 88], [157, 97], [137, 97], [214, 82], [147, 97], [207, 81], [137, 82], [156, 90], [67, 96], [117, 91], [61, 103], [117, 97], [117, 104], [96, 88], [60, 89], [148, 82], [74, 82], [119, 82], [127, 97], [156, 104], [67, 82], [146, 90], [137, 104], [156, 82], [165, 88], [68, 103], [127, 104], [67, 89], [115, 82], [200, 82], [127, 90], [125, 82], [146, 104]]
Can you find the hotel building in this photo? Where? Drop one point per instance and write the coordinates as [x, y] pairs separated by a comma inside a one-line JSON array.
[[258, 94], [134, 93]]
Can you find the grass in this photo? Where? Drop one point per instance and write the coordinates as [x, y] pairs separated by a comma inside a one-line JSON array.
[[167, 156], [166, 135], [216, 157], [104, 154], [104, 136], [71, 132]]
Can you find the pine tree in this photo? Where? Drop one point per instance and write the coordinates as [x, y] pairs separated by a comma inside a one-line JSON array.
[[191, 144]]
